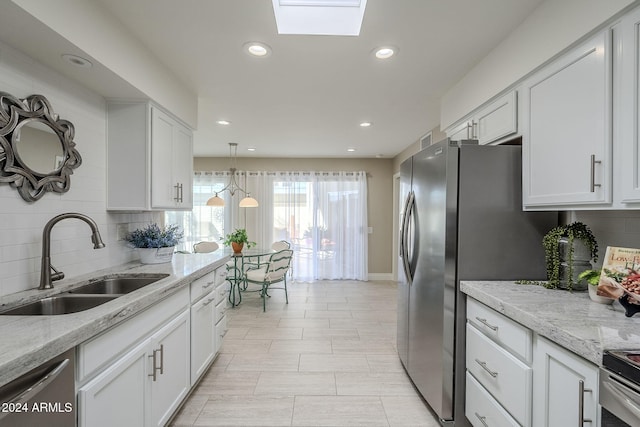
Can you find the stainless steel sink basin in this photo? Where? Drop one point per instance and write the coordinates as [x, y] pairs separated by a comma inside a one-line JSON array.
[[60, 304], [118, 285]]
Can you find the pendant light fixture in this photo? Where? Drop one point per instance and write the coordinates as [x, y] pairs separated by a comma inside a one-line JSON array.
[[232, 186]]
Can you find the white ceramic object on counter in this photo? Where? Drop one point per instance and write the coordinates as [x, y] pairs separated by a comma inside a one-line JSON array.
[[593, 294], [156, 255]]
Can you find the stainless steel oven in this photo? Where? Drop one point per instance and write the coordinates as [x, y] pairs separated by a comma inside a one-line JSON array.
[[45, 396], [619, 389]]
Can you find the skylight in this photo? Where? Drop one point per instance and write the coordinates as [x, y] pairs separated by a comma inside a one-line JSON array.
[[319, 17]]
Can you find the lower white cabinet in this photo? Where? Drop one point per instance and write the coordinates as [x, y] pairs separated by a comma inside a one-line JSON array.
[[203, 342], [565, 391], [507, 384], [145, 386]]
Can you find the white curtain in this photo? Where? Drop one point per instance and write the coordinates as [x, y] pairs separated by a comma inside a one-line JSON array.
[[323, 215]]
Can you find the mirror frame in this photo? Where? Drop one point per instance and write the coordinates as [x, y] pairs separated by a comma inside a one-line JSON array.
[[32, 185]]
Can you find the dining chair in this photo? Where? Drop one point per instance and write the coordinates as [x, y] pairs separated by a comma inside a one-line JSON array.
[[272, 271], [205, 247], [280, 245]]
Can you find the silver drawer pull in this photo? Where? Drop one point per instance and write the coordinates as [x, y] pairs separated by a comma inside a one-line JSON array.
[[482, 419], [487, 324], [484, 366], [208, 285], [207, 302], [593, 184], [581, 392]]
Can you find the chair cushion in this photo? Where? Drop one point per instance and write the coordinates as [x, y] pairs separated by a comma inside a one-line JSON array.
[[257, 275]]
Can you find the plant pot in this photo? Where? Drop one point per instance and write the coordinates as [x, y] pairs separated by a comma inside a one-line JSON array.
[[593, 294], [581, 262], [237, 247], [156, 255]]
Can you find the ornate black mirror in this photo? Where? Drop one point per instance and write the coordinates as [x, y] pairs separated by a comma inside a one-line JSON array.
[[37, 152]]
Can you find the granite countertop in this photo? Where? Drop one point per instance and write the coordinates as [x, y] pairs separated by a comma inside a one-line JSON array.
[[28, 341], [570, 319]]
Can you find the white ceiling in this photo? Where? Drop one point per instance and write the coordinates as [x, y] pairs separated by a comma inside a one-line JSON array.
[[308, 97]]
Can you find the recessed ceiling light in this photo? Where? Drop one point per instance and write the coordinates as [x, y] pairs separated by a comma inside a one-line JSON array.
[[379, 156], [351, 150], [365, 124], [76, 60], [223, 122], [251, 149], [257, 49], [385, 52]]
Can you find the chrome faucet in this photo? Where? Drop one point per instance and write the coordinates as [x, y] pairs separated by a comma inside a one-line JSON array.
[[46, 278]]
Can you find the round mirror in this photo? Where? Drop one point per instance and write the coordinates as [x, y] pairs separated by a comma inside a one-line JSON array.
[[38, 147]]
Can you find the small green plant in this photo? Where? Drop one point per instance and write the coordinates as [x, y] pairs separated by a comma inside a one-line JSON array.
[[574, 231], [592, 277], [239, 235], [154, 236]]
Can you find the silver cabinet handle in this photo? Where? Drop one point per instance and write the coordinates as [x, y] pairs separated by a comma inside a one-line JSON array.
[[208, 285], [209, 301], [593, 184], [179, 193], [484, 366], [581, 391], [154, 368], [482, 419], [474, 129], [487, 324], [161, 359]]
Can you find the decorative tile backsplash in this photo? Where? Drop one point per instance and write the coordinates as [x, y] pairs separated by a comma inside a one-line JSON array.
[[21, 223]]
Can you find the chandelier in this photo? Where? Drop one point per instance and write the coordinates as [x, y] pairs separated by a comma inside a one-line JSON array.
[[233, 186]]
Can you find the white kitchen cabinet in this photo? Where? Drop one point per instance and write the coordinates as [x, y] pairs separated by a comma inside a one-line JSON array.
[[202, 335], [116, 397], [149, 159], [169, 363], [491, 122], [627, 109], [565, 388], [567, 128], [138, 372]]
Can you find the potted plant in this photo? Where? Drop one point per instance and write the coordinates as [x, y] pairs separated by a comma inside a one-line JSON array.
[[155, 244], [592, 277], [237, 240], [569, 250]]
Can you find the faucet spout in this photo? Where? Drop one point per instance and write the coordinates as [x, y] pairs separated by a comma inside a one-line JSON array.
[[46, 277]]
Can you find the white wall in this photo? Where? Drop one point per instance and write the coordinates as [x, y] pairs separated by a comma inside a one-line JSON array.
[[21, 223]]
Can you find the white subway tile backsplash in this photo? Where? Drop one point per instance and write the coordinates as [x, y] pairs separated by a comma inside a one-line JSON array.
[[21, 223]]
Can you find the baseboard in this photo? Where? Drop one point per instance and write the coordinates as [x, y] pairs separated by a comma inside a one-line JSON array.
[[380, 276]]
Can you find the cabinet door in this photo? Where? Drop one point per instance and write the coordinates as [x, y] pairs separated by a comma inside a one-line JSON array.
[[565, 387], [496, 120], [163, 190], [460, 132], [183, 166], [116, 397], [628, 108], [567, 129], [169, 361], [202, 335]]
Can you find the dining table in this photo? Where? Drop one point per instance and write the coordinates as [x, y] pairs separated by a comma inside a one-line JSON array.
[[237, 267]]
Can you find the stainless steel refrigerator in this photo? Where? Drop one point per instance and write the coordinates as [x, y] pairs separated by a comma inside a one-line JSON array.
[[462, 220]]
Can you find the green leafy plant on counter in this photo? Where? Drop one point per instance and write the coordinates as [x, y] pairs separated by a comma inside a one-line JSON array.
[[551, 243], [239, 235], [154, 236], [592, 277]]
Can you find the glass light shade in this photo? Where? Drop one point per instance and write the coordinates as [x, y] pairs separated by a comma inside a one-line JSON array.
[[215, 201], [248, 202]]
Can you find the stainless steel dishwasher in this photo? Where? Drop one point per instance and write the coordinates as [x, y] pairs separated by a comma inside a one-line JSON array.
[[45, 396]]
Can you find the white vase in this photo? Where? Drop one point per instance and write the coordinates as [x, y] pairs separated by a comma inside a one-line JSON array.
[[156, 255], [593, 294]]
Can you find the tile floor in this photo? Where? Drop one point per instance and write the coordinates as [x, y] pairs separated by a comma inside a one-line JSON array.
[[328, 358]]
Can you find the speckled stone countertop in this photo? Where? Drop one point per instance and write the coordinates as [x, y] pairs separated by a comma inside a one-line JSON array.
[[28, 341], [571, 320]]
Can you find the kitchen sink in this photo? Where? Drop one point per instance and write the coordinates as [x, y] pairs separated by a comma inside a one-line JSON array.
[[60, 304], [118, 285]]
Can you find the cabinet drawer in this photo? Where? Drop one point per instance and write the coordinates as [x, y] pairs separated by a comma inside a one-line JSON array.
[[222, 293], [221, 331], [221, 275], [202, 286], [501, 329], [506, 378], [97, 352], [482, 410], [221, 309]]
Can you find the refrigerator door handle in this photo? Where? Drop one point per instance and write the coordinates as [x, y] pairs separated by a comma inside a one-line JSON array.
[[405, 212], [409, 211]]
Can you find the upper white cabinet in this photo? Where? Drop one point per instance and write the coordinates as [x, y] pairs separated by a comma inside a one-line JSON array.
[[150, 159], [567, 128], [492, 122], [627, 110]]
